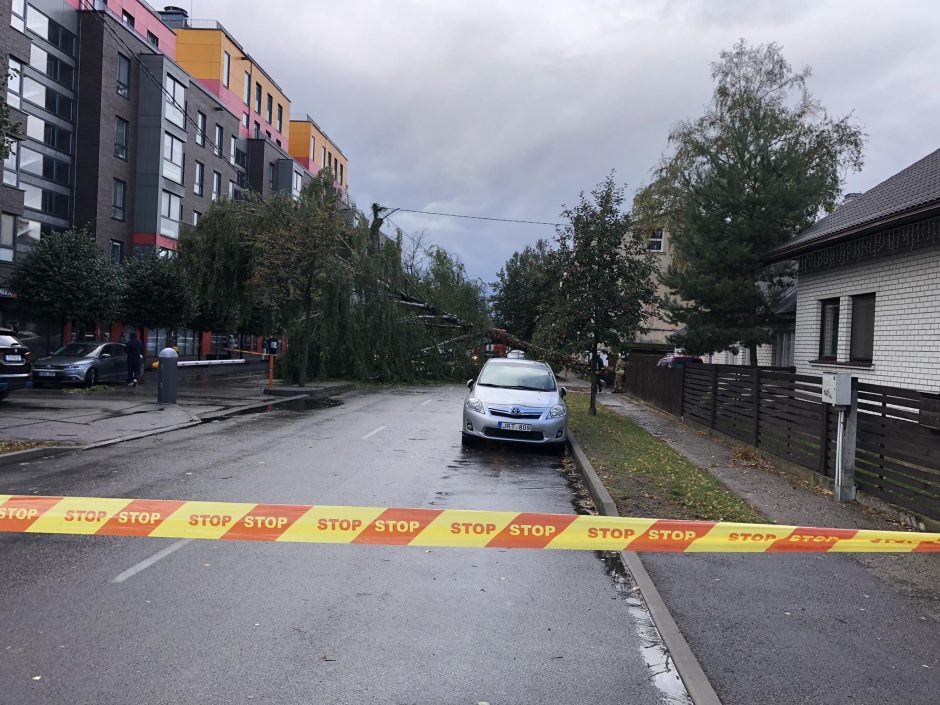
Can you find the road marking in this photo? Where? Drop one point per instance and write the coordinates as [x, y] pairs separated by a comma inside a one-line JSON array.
[[426, 402], [147, 562], [372, 433]]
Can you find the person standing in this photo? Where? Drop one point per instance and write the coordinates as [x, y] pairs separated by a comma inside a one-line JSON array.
[[135, 355]]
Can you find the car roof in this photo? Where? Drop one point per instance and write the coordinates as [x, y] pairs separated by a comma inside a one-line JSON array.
[[516, 361]]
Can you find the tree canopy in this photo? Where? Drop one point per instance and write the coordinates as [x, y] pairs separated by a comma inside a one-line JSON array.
[[761, 164], [525, 289]]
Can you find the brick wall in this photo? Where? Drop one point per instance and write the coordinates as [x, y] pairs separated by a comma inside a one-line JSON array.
[[907, 318]]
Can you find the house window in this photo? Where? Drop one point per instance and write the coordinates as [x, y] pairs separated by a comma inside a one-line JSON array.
[[271, 175], [323, 159], [217, 145], [123, 76], [257, 130], [232, 144], [7, 237], [118, 200], [246, 91], [863, 328], [269, 112], [172, 158], [340, 174], [216, 185], [245, 120], [231, 190], [313, 148], [226, 68], [656, 241], [153, 39], [117, 251], [298, 184], [198, 178], [200, 129], [171, 213], [329, 161], [121, 133], [17, 19], [829, 330], [258, 98], [783, 348], [196, 217], [175, 102], [280, 118], [127, 18]]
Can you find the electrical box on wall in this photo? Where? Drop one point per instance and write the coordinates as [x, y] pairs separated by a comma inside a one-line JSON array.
[[837, 388]]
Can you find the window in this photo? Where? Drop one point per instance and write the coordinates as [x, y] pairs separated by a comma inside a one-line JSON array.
[[217, 145], [272, 175], [171, 213], [118, 199], [199, 171], [123, 76], [7, 236], [656, 240], [32, 162], [297, 184], [829, 330], [258, 98], [52, 66], [280, 118], [49, 134], [231, 190], [226, 68], [153, 39], [51, 100], [257, 130], [9, 166], [127, 18], [246, 91], [313, 148], [121, 133], [15, 83], [245, 120], [117, 251], [175, 102], [329, 161], [55, 204], [863, 328], [216, 185], [196, 216], [267, 133], [277, 142], [232, 143], [17, 20], [323, 159], [172, 158], [340, 174], [270, 109], [50, 30], [200, 129]]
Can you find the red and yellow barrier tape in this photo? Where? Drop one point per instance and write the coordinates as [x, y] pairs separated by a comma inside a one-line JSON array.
[[432, 527]]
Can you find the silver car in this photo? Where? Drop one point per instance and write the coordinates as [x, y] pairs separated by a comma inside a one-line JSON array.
[[82, 363], [516, 400]]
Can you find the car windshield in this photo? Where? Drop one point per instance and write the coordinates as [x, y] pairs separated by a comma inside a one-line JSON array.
[[529, 377], [77, 350]]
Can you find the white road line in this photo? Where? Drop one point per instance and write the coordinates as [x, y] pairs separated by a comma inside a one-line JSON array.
[[372, 433], [147, 562], [426, 402]]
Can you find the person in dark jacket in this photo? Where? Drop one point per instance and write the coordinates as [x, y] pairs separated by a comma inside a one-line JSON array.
[[135, 355]]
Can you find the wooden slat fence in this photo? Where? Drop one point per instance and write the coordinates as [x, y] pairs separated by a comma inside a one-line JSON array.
[[659, 386]]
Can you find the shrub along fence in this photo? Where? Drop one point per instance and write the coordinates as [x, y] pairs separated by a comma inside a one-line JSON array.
[[897, 456]]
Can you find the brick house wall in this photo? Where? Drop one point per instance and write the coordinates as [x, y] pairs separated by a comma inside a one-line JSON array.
[[907, 318]]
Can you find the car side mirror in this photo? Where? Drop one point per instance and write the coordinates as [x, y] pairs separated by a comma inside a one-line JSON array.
[[104, 356], [470, 384], [563, 392]]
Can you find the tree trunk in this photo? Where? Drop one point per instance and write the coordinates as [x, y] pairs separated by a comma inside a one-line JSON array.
[[752, 354], [593, 410]]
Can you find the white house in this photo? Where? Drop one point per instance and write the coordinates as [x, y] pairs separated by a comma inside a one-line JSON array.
[[868, 289]]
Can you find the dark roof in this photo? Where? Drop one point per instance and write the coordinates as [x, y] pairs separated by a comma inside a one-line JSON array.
[[915, 187]]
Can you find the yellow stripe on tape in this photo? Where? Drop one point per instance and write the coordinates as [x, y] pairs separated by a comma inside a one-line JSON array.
[[325, 524], [77, 515], [202, 520]]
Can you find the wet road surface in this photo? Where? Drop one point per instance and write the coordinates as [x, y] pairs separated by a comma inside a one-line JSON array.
[[98, 619]]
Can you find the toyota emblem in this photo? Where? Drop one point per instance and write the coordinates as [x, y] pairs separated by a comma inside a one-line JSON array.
[[515, 410]]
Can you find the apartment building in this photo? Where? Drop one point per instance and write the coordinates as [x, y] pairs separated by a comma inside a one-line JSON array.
[[312, 148]]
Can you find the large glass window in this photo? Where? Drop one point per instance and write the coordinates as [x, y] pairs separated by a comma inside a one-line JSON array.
[[232, 145], [171, 212], [56, 137], [258, 98], [199, 171], [50, 30], [15, 83], [33, 162], [829, 330], [18, 16], [172, 158], [118, 200], [121, 137], [200, 129], [863, 328], [280, 118], [123, 76], [216, 185], [175, 102], [9, 165], [217, 142], [7, 236], [226, 68], [269, 111]]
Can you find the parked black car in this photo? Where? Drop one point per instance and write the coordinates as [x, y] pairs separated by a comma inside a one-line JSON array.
[[14, 363]]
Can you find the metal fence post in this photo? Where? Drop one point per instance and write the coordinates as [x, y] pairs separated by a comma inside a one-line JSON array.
[[714, 394], [756, 398], [845, 480]]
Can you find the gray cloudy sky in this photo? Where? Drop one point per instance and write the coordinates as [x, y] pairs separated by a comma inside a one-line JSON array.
[[511, 108]]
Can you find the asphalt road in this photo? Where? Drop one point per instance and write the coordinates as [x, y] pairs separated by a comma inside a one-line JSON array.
[[99, 619]]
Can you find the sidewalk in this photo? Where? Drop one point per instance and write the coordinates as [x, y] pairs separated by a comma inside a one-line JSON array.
[[78, 417], [792, 629]]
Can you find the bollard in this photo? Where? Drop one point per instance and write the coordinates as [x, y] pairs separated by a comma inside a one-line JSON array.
[[167, 376]]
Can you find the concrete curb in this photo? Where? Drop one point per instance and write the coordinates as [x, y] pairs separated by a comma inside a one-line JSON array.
[[21, 456], [690, 670]]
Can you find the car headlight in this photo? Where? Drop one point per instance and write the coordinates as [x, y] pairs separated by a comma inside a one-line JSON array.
[[557, 410], [72, 368], [475, 404]]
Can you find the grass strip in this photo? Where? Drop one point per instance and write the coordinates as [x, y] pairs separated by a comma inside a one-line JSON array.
[[645, 476], [14, 446]]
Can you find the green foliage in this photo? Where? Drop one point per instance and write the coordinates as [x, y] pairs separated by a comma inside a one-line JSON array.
[[156, 293], [9, 131], [526, 289], [759, 166], [68, 278]]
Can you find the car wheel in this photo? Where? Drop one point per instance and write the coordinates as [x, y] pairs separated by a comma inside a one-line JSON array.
[[91, 379]]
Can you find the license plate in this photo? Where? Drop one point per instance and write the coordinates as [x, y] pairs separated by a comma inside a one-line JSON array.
[[44, 373], [13, 358], [515, 426]]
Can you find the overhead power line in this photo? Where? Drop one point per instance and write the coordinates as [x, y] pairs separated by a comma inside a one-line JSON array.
[[480, 217]]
